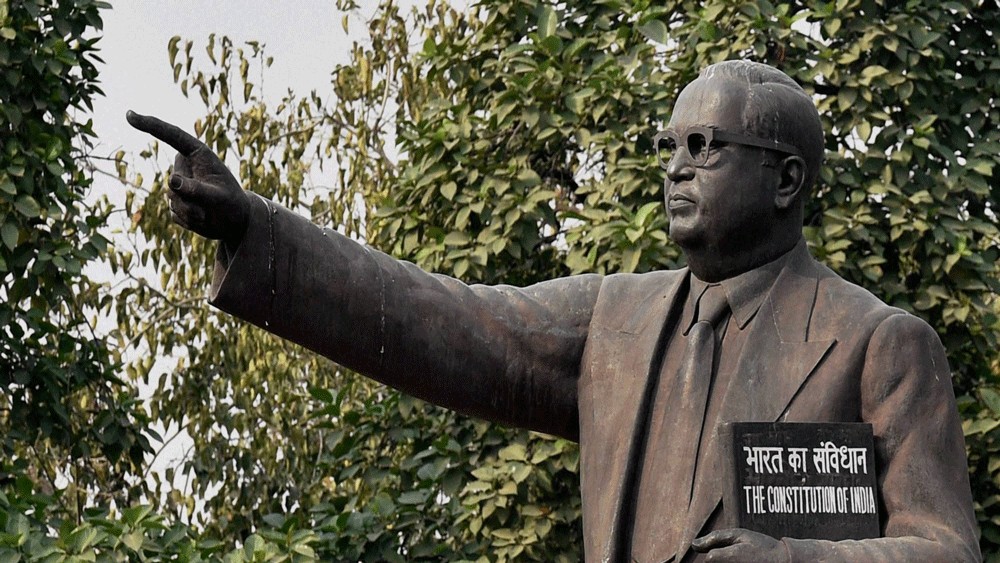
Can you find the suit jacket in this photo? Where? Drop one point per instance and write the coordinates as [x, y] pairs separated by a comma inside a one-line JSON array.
[[575, 357]]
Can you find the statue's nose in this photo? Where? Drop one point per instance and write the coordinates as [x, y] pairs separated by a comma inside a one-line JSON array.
[[681, 165]]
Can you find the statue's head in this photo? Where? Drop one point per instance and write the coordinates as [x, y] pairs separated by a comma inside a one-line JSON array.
[[742, 149]]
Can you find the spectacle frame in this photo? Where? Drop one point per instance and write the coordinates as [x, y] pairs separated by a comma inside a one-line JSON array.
[[698, 142]]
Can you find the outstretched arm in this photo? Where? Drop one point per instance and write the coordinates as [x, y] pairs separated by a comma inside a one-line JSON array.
[[501, 353]]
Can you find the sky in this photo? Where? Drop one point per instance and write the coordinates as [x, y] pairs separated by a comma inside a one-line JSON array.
[[304, 37]]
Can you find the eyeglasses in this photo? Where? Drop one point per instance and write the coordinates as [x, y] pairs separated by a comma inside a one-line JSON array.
[[699, 141]]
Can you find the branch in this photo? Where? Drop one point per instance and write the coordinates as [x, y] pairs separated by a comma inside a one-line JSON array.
[[161, 317], [43, 470], [341, 124], [288, 134], [90, 167], [181, 428], [160, 294], [108, 158]]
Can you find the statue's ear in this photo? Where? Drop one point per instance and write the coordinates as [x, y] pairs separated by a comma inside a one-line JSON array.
[[791, 182]]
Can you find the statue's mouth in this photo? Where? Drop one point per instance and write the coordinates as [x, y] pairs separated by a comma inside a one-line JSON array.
[[677, 201]]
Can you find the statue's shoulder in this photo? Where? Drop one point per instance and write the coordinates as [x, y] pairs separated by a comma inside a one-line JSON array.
[[647, 279], [636, 287], [843, 303]]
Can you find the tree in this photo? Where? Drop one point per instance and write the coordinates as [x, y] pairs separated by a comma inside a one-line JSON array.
[[523, 129], [67, 413], [64, 410]]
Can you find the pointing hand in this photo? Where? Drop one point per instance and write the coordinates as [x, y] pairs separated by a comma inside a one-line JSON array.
[[204, 195]]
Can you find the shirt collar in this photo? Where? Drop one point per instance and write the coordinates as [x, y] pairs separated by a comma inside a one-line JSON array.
[[746, 292]]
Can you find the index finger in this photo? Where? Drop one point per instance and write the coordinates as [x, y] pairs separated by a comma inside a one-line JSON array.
[[182, 141]]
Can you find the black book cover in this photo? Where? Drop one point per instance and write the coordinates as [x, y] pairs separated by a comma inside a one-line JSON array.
[[803, 480]]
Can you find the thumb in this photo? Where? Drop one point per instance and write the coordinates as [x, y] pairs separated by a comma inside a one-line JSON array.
[[716, 539]]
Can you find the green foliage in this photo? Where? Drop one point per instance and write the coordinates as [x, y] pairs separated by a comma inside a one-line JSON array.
[[65, 412], [907, 199], [63, 409], [407, 481], [137, 534], [523, 134], [533, 159], [238, 391]]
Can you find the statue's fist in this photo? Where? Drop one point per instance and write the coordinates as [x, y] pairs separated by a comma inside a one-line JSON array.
[[204, 195]]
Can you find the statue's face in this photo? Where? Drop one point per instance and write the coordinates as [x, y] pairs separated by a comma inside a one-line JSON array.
[[726, 203]]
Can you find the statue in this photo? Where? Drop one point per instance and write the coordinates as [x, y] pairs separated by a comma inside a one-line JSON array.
[[641, 369]]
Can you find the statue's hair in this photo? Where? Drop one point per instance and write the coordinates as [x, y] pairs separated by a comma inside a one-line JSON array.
[[776, 108]]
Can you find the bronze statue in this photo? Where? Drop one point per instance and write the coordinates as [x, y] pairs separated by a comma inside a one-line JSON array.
[[641, 369]]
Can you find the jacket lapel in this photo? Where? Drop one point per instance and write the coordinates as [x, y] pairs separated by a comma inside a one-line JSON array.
[[620, 401], [775, 362], [766, 382]]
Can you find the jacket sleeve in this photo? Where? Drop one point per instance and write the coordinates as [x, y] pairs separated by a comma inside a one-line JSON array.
[[501, 353], [925, 498]]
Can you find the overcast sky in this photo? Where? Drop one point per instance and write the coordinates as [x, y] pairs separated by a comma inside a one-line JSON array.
[[304, 37]]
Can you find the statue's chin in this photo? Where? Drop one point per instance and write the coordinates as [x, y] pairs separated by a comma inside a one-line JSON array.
[[686, 234]]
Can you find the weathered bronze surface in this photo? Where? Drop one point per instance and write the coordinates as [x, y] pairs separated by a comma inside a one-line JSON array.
[[603, 359]]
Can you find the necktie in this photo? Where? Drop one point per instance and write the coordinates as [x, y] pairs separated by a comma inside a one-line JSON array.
[[689, 399], [696, 379]]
